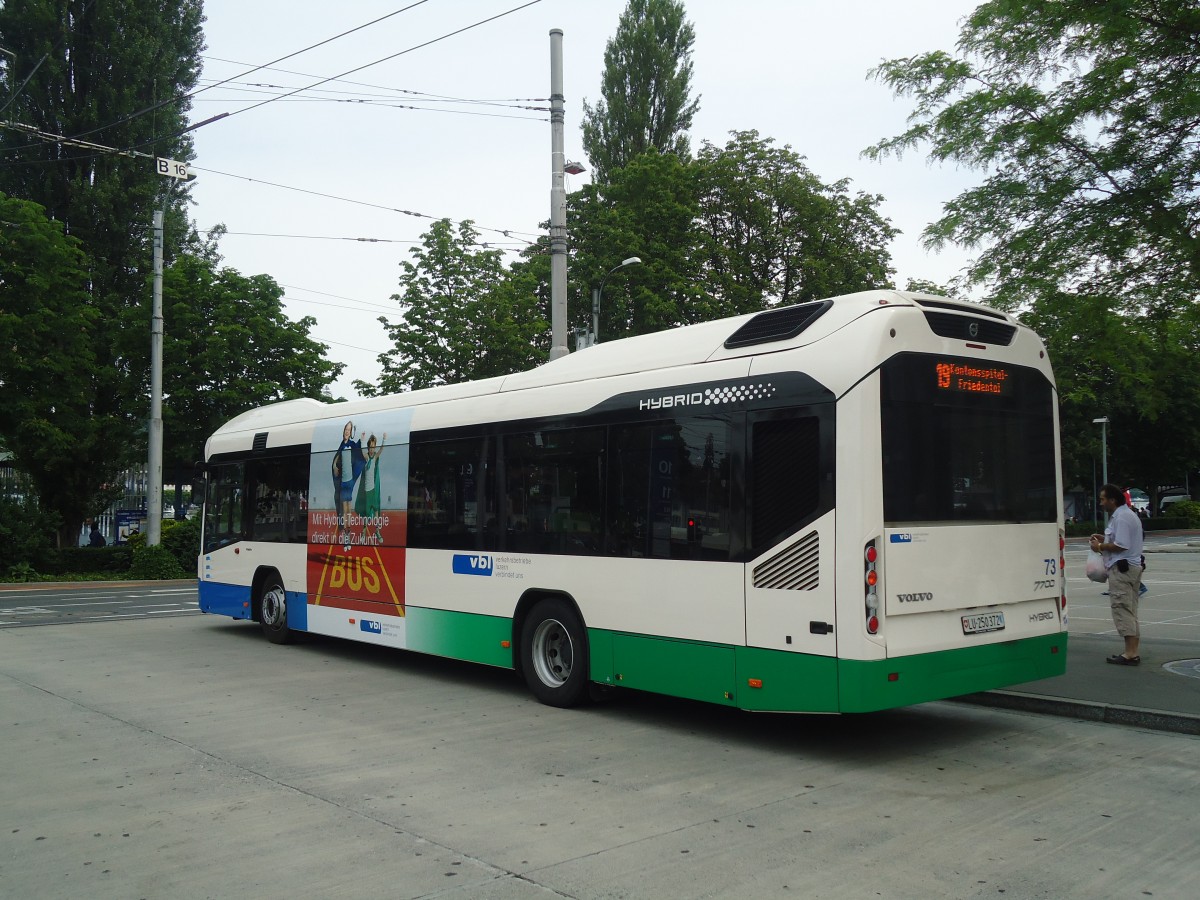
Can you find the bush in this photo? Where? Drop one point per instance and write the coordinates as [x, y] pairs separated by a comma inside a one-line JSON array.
[[1187, 510], [27, 535], [182, 538], [109, 561], [155, 564]]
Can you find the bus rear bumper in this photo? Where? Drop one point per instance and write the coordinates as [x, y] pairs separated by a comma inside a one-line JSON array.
[[868, 686]]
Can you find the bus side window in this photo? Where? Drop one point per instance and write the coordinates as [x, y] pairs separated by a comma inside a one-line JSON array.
[[450, 494], [553, 491], [670, 489], [785, 478]]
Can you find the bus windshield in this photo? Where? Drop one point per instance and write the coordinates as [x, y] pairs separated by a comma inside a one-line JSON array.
[[966, 441]]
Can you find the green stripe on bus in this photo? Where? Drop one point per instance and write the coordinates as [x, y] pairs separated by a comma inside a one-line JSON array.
[[459, 635], [869, 686]]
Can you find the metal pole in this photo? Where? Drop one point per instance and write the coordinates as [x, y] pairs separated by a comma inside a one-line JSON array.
[[1104, 458], [595, 316], [558, 205], [154, 468]]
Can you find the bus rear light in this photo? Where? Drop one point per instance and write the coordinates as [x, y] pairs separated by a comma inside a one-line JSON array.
[[871, 579], [893, 676], [755, 682]]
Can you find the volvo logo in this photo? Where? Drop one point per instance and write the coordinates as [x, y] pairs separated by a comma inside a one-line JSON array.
[[914, 598], [973, 329]]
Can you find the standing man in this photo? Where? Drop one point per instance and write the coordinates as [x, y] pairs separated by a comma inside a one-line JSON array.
[[1121, 548]]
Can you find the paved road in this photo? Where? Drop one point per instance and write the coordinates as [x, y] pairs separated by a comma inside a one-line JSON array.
[[65, 603], [185, 756]]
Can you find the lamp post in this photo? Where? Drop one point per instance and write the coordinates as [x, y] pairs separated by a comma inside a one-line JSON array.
[[598, 292], [1103, 423]]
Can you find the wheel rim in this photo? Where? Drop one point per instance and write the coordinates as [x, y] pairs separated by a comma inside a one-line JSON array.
[[274, 607], [553, 653]]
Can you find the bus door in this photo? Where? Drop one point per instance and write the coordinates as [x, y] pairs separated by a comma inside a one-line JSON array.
[[790, 530]]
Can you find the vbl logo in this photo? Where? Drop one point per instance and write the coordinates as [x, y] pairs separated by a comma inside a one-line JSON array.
[[368, 625], [472, 564]]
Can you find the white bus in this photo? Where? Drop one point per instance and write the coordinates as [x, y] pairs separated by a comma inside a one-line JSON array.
[[840, 506]]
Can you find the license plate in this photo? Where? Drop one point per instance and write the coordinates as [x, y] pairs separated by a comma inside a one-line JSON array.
[[983, 624]]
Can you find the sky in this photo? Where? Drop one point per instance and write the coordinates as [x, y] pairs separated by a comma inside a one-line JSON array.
[[299, 182]]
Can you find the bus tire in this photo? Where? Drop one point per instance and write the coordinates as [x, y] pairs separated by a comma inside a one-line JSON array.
[[273, 616], [554, 653]]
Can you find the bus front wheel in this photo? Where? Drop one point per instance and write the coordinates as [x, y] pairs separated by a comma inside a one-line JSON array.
[[274, 611], [554, 654]]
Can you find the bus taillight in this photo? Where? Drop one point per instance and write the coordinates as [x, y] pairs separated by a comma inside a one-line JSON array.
[[871, 580]]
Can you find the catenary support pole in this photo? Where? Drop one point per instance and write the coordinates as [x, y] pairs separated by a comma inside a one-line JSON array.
[[558, 205], [154, 464]]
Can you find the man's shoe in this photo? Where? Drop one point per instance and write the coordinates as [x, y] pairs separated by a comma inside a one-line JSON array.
[[1119, 659]]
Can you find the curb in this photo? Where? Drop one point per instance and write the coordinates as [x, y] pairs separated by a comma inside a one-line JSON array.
[[1158, 720]]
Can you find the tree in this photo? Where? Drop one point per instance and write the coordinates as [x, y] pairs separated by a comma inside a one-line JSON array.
[[645, 93], [228, 346], [648, 210], [1083, 114], [96, 71], [49, 371], [461, 318], [775, 234]]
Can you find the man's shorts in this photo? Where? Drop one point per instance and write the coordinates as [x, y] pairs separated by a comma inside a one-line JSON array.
[[1123, 598]]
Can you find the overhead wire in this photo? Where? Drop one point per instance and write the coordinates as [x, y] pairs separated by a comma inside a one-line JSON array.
[[192, 94]]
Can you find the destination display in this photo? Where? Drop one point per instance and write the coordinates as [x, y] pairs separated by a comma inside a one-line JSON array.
[[964, 378]]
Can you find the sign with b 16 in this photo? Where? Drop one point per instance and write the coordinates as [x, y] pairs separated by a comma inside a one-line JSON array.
[[172, 169]]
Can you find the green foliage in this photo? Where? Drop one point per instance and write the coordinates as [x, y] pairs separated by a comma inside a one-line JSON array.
[[646, 89], [80, 370], [461, 318], [88, 563], [1081, 116], [27, 534], [1187, 510], [182, 539], [155, 563], [774, 234], [21, 572], [648, 209], [228, 347]]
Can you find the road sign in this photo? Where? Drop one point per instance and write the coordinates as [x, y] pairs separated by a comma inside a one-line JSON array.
[[172, 169]]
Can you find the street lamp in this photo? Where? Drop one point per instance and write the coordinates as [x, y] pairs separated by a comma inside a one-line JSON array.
[[598, 292], [1103, 423]]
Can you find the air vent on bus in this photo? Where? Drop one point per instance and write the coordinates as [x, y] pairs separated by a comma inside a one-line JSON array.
[[260, 441], [798, 568], [970, 328], [972, 308], [777, 324]]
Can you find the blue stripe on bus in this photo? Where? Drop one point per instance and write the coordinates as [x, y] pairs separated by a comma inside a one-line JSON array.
[[225, 599]]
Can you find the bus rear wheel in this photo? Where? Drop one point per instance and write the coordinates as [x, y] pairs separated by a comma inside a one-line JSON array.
[[554, 654], [273, 615]]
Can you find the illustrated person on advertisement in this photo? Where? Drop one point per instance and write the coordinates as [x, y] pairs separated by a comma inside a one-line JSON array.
[[367, 502], [348, 463]]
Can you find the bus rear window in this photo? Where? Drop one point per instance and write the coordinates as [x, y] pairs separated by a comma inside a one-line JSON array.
[[966, 441]]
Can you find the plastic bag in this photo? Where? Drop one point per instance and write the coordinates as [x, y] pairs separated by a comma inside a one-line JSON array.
[[1095, 567]]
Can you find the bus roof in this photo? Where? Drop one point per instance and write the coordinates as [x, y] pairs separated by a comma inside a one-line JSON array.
[[675, 347]]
